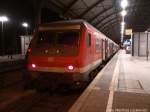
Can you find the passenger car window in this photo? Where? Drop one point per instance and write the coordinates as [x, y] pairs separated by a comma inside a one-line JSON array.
[[88, 40], [98, 44]]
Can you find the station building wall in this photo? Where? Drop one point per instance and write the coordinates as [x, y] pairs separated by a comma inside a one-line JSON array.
[[25, 41], [141, 44]]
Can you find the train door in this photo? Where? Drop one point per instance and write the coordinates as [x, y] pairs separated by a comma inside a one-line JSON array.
[[89, 46], [106, 48], [103, 49], [109, 49]]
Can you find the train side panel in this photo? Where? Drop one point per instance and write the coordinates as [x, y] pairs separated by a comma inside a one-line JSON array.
[[92, 56]]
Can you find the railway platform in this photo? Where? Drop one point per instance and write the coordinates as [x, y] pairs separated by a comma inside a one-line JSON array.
[[121, 86], [8, 58], [11, 62]]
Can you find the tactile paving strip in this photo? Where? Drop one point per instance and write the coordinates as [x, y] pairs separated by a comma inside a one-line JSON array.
[[131, 102]]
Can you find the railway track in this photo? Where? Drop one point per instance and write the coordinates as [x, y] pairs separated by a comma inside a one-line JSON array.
[[11, 65], [14, 98], [58, 102], [10, 72], [11, 78]]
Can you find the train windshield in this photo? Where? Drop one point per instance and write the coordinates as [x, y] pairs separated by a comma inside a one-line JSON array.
[[56, 38], [58, 42]]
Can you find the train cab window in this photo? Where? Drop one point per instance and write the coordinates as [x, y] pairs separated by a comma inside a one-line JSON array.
[[58, 38], [57, 42], [68, 38], [88, 40]]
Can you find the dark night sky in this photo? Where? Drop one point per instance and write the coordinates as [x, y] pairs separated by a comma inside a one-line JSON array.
[[19, 11]]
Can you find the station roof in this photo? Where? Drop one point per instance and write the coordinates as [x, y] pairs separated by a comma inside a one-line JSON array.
[[105, 14]]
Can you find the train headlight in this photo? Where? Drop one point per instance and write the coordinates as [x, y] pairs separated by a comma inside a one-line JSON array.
[[70, 67], [33, 66]]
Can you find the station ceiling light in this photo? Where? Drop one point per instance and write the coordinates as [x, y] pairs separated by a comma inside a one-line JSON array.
[[25, 24], [122, 30], [122, 34], [3, 18], [123, 13], [124, 4], [123, 23]]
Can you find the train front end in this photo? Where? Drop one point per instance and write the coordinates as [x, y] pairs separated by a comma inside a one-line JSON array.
[[54, 54]]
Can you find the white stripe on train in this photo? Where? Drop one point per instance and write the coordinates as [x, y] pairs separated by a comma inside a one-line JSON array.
[[65, 70]]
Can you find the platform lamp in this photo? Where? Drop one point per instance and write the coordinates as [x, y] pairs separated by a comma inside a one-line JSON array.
[[25, 25], [123, 14], [3, 19]]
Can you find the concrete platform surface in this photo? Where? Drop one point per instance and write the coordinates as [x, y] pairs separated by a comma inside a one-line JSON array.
[[123, 85]]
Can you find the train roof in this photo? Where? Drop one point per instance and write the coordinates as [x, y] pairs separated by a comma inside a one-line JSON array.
[[75, 22], [62, 22]]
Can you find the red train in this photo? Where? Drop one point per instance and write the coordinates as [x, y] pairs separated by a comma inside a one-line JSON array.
[[67, 51]]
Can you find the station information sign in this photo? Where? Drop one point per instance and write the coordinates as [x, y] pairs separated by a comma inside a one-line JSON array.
[[128, 31]]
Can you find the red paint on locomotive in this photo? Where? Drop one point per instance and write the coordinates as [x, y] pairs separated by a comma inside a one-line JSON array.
[[69, 48]]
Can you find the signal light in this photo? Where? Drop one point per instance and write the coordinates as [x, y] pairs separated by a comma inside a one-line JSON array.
[[33, 66], [70, 67]]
